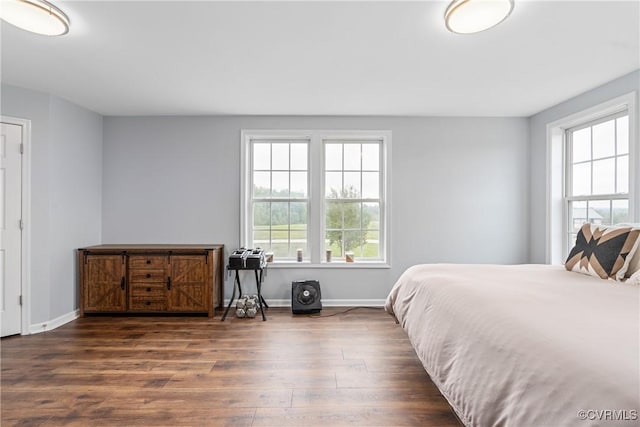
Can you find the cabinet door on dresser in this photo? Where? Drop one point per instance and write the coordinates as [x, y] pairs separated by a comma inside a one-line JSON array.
[[104, 283], [189, 286], [148, 280]]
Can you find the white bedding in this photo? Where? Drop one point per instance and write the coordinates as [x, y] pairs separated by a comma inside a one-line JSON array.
[[527, 345]]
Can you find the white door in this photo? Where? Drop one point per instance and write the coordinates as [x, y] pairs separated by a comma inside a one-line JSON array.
[[10, 230]]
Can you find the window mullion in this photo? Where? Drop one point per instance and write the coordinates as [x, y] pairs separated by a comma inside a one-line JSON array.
[[591, 146], [270, 196], [611, 212], [270, 224], [289, 201], [619, 196], [343, 249], [316, 174]]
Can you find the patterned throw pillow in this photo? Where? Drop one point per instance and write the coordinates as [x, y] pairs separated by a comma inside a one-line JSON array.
[[634, 264], [603, 252]]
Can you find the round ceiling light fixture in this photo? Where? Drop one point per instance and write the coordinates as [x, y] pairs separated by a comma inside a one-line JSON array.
[[37, 16], [473, 16]]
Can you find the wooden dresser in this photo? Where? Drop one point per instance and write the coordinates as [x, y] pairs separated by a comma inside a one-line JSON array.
[[151, 278]]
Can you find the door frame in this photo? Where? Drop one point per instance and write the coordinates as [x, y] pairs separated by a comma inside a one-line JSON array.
[[25, 255]]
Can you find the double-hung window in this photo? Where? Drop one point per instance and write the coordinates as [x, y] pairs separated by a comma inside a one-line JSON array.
[[597, 173], [593, 171], [316, 197], [352, 198], [279, 195]]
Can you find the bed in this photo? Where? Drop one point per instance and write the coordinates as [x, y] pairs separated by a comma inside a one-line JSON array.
[[526, 345]]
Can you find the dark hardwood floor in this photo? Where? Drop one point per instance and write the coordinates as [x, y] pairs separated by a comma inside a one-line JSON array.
[[355, 368]]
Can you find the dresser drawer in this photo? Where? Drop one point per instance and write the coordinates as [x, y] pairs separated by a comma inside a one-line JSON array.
[[148, 304], [147, 276], [148, 290], [147, 261]]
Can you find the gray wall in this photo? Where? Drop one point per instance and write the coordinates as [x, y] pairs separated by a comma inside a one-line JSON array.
[[75, 196], [465, 190], [66, 181], [538, 138], [459, 190]]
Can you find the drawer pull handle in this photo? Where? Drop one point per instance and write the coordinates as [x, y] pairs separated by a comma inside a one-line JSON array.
[[148, 275], [147, 302], [148, 289], [122, 283], [169, 283], [148, 261]]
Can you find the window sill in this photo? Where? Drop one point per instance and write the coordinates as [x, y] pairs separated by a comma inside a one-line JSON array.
[[338, 265]]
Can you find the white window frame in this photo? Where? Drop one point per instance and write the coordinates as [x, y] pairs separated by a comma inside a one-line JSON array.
[[316, 192], [251, 198], [568, 197], [557, 215]]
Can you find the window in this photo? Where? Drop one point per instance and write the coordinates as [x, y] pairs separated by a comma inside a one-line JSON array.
[[597, 173], [593, 172], [279, 199], [352, 198], [323, 194]]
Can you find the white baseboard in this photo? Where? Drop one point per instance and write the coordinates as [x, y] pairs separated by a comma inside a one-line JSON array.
[[66, 318], [54, 323], [328, 302]]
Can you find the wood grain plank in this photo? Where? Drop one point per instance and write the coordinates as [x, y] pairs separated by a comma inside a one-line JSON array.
[[198, 398], [354, 368], [253, 379], [359, 416], [212, 417], [369, 397]]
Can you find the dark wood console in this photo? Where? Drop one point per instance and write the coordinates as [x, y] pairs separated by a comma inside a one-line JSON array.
[[151, 278]]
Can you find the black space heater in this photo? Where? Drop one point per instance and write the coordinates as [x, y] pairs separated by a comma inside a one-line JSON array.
[[306, 297]]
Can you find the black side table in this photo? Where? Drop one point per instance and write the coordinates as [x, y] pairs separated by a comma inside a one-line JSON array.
[[259, 273]]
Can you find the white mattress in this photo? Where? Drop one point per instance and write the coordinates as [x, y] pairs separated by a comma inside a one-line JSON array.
[[528, 345]]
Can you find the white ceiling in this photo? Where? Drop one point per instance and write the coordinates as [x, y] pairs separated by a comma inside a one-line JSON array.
[[322, 58]]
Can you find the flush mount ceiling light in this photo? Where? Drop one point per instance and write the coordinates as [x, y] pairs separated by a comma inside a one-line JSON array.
[[473, 16], [37, 16]]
